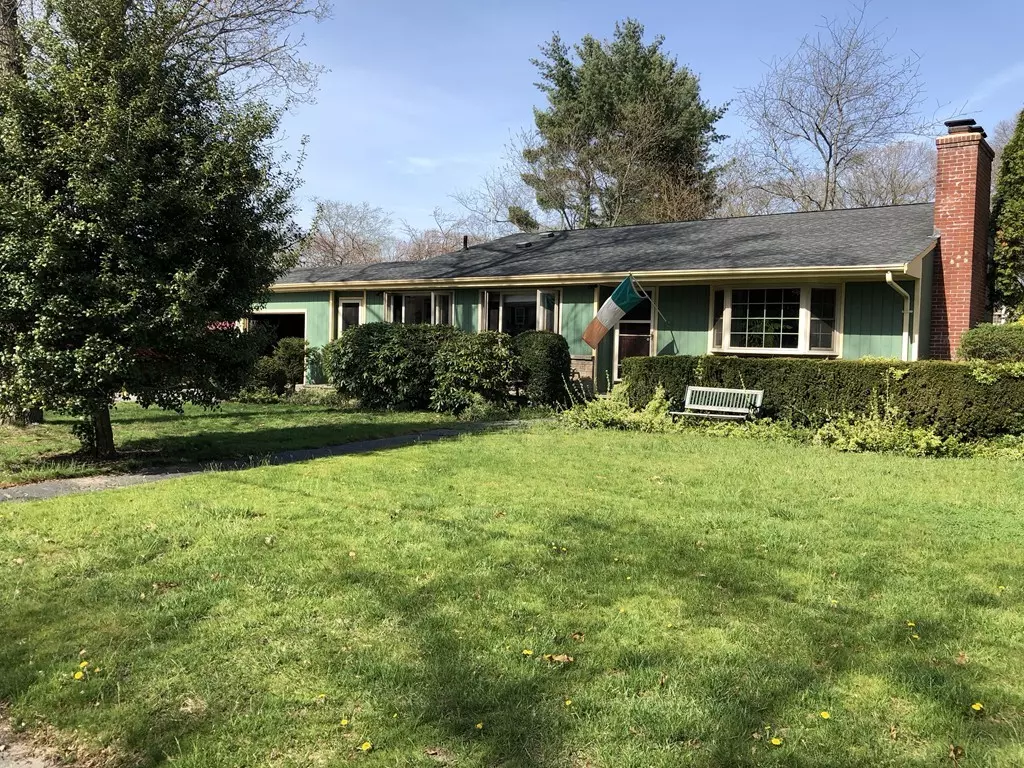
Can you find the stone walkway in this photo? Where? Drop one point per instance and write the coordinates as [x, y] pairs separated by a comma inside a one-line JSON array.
[[50, 489]]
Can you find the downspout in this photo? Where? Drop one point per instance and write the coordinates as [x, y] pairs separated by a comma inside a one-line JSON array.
[[906, 313]]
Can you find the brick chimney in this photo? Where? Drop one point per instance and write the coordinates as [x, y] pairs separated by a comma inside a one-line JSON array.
[[963, 177]]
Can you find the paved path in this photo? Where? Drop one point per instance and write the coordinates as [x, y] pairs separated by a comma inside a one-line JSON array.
[[50, 489]]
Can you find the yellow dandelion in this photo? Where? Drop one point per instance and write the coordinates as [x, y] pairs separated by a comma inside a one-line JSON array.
[[344, 721], [480, 726], [527, 652], [825, 715], [911, 624], [568, 702], [776, 741], [977, 706], [79, 675], [1001, 588], [915, 636], [83, 665], [366, 746]]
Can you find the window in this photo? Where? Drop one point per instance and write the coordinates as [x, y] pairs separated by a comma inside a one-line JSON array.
[[633, 335], [765, 318], [418, 308], [823, 318], [787, 320], [513, 313], [348, 315]]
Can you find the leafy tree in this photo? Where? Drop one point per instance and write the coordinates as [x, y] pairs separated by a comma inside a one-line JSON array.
[[625, 137], [141, 213], [1009, 224]]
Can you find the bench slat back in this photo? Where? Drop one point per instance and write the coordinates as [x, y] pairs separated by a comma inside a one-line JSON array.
[[720, 400]]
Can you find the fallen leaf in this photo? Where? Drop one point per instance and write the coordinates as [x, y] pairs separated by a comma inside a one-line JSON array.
[[961, 658], [662, 679], [579, 637], [559, 658], [892, 732], [956, 753], [440, 754]]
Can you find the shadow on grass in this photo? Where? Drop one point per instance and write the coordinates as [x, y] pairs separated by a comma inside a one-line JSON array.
[[458, 676], [231, 449]]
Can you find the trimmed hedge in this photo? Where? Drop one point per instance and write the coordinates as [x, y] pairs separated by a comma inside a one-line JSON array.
[[386, 365], [953, 398], [995, 343], [474, 364], [546, 366]]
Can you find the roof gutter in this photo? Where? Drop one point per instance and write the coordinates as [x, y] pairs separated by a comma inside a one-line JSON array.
[[906, 313], [611, 278]]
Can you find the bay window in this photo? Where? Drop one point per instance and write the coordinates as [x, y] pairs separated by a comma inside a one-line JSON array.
[[430, 308], [786, 320]]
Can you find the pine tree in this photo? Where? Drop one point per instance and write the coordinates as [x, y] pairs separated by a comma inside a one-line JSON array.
[[1008, 218], [625, 137]]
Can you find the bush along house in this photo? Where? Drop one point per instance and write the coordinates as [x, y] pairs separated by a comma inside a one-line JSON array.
[[901, 282]]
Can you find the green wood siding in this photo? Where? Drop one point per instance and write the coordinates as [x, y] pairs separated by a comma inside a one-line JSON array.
[[316, 305], [873, 320], [374, 306], [577, 312], [467, 301], [927, 277], [683, 322]]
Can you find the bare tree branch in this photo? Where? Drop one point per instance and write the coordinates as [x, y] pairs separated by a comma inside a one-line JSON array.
[[347, 233], [819, 113]]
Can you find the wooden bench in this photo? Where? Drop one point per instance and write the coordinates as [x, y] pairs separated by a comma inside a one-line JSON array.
[[719, 403]]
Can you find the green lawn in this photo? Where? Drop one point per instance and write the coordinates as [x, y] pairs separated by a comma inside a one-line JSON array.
[[151, 437], [713, 593]]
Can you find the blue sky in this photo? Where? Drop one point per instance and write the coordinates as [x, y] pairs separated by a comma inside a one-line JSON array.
[[422, 97]]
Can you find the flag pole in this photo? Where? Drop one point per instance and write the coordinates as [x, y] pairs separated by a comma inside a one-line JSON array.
[[649, 297]]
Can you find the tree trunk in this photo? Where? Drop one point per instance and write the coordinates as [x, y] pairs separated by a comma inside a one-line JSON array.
[[104, 434], [11, 42]]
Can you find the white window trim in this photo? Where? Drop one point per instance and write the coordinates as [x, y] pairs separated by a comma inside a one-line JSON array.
[[388, 295], [485, 300], [362, 311], [615, 341], [803, 349]]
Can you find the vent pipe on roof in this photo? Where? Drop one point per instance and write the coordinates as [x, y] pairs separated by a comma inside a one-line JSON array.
[[465, 242]]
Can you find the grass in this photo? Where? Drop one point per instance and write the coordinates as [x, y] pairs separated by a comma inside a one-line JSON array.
[[151, 437], [714, 594]]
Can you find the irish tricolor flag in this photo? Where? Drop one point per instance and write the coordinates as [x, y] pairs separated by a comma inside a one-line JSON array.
[[623, 299]]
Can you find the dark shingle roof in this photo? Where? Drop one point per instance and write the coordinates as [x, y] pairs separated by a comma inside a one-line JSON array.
[[862, 237]]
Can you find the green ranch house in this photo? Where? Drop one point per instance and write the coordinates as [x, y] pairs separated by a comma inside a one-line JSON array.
[[902, 281]]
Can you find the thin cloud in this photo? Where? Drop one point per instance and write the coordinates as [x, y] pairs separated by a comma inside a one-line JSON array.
[[1000, 80]]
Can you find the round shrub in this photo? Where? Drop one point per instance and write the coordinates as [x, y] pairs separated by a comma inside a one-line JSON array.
[[471, 366], [546, 365], [995, 343], [290, 353], [269, 375], [386, 366]]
